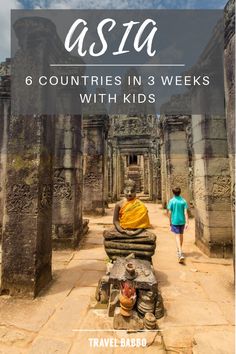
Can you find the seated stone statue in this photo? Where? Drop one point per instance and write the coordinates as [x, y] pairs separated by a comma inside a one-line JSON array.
[[130, 235]]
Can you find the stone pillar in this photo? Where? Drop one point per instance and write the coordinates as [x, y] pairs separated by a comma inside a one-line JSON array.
[[122, 173], [229, 70], [158, 167], [114, 174], [176, 151], [212, 185], [67, 182], [4, 117], [27, 221], [95, 133], [150, 177], [106, 171], [118, 171], [146, 174], [163, 175], [154, 180], [110, 171]]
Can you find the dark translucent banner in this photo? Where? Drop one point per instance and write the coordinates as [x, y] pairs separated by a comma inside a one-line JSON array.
[[117, 61]]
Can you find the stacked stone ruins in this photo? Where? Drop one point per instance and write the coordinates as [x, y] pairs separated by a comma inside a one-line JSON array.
[[56, 170]]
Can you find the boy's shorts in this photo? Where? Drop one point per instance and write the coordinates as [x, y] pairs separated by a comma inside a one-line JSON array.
[[177, 229]]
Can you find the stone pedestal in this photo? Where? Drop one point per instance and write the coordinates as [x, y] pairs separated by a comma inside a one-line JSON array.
[[67, 182], [27, 222], [95, 135], [142, 245]]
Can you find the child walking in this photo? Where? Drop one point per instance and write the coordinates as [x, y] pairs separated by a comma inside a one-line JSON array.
[[178, 215]]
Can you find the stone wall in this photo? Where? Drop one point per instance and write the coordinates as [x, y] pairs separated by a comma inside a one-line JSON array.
[[229, 70], [212, 185], [212, 173]]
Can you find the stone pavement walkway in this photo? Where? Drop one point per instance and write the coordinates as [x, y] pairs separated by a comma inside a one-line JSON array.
[[198, 298]]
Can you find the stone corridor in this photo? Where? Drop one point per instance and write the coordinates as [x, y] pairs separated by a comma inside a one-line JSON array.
[[198, 299]]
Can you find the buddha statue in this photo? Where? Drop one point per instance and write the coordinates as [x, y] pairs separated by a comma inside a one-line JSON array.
[[130, 234], [130, 214]]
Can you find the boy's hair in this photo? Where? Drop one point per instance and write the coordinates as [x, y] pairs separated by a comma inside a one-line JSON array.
[[176, 191]]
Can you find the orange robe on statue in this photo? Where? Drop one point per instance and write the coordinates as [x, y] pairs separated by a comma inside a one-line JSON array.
[[134, 215]]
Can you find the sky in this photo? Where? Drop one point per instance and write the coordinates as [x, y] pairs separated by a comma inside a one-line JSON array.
[[7, 5]]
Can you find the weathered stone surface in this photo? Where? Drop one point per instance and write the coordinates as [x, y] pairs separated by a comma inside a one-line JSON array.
[[146, 302], [185, 314], [133, 153], [219, 288], [4, 116], [144, 276], [183, 289], [133, 322], [103, 290], [95, 133], [49, 345], [212, 191], [68, 227], [94, 253], [68, 317], [113, 301], [90, 278], [11, 350], [10, 336], [85, 226], [24, 314], [175, 156], [210, 341], [26, 246], [178, 339], [142, 245], [229, 71], [88, 264]]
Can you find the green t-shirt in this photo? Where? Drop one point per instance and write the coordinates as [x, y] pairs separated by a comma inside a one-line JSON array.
[[177, 205]]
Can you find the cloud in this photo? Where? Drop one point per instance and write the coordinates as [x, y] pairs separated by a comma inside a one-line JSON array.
[[5, 20], [125, 4]]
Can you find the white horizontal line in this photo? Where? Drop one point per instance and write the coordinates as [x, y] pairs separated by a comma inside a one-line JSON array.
[[116, 330], [115, 65]]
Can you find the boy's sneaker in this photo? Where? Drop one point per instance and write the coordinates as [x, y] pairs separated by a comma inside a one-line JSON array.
[[181, 258]]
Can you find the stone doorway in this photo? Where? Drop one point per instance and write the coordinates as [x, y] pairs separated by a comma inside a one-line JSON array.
[[135, 171]]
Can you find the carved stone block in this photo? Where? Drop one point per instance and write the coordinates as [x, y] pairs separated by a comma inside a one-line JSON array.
[[26, 244]]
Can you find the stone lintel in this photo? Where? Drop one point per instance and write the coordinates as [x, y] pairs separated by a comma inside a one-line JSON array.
[[95, 121]]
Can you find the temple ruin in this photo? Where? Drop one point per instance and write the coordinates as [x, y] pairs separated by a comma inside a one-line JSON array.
[[56, 171]]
